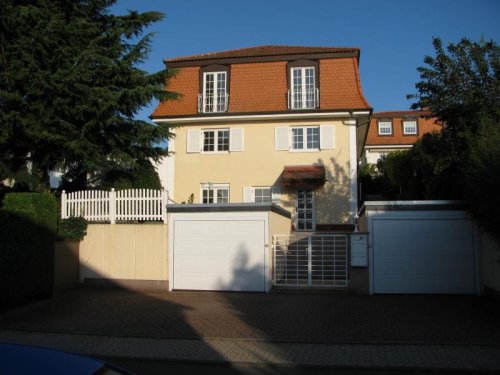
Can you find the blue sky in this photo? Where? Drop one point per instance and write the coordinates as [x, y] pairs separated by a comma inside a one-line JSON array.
[[393, 35]]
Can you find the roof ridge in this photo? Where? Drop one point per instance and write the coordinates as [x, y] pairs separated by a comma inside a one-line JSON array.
[[279, 50]]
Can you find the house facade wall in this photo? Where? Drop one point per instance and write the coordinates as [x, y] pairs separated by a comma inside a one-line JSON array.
[[260, 165], [255, 91]]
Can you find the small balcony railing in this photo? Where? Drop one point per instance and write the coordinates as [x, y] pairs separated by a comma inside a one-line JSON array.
[[303, 99], [213, 103]]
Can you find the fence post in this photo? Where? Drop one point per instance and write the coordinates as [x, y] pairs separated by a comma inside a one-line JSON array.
[[63, 205], [164, 202], [112, 206]]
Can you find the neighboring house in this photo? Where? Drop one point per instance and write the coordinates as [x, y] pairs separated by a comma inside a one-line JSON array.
[[396, 130], [274, 124]]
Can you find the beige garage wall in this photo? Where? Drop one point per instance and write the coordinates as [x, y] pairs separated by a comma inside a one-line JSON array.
[[125, 252]]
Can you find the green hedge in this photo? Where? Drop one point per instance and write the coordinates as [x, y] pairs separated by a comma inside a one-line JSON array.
[[28, 223], [41, 208], [72, 228]]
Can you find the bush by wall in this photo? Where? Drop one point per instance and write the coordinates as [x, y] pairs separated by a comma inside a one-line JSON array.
[[72, 229], [41, 208]]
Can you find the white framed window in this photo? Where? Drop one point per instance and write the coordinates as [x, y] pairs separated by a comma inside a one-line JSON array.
[[409, 127], [305, 138], [215, 140], [262, 194], [214, 193], [305, 210], [214, 97], [303, 88], [385, 128]]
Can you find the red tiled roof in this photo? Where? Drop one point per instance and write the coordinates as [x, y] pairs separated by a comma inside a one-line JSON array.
[[263, 51], [303, 176]]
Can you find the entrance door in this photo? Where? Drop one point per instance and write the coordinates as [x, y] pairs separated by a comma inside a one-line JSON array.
[[305, 210]]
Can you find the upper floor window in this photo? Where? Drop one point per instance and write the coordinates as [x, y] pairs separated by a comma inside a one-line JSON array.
[[410, 127], [215, 140], [303, 93], [305, 138], [384, 128], [214, 96], [214, 193]]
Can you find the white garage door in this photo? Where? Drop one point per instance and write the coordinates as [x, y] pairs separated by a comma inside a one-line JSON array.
[[423, 256], [219, 255]]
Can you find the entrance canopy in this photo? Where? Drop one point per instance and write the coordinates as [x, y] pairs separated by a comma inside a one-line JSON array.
[[303, 176]]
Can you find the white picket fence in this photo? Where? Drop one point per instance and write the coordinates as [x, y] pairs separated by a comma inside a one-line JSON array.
[[112, 206]]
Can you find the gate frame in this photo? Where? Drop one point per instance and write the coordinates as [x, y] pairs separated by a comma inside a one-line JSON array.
[[309, 236]]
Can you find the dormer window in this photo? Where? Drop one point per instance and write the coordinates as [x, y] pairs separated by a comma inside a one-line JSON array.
[[410, 127], [384, 127], [303, 90], [214, 95]]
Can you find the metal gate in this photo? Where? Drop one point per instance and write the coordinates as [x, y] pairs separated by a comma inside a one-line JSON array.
[[310, 260]]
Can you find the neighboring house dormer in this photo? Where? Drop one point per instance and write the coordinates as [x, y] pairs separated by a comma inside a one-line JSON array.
[[275, 124], [396, 130]]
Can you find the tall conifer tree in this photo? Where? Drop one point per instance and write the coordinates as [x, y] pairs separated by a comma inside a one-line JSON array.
[[70, 86]]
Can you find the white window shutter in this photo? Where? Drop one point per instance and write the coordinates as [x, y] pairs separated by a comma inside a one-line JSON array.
[[248, 194], [236, 139], [276, 194], [281, 138], [193, 140], [327, 137]]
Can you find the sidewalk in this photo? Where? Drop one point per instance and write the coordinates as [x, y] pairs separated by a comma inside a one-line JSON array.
[[303, 329]]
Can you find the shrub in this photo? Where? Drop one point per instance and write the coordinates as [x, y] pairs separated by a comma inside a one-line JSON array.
[[41, 208], [72, 229], [26, 259]]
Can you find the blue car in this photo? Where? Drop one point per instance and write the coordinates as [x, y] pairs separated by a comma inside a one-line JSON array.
[[18, 359]]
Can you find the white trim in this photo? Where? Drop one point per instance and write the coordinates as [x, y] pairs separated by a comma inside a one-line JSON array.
[[170, 183], [412, 203], [383, 147], [353, 170], [309, 115]]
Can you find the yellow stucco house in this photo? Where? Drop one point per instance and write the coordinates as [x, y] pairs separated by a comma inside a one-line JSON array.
[[274, 124]]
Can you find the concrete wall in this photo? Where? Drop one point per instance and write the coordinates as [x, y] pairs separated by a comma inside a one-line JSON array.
[[490, 265], [66, 266], [128, 255]]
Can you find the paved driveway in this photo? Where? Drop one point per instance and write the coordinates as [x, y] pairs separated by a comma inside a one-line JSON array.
[[276, 317]]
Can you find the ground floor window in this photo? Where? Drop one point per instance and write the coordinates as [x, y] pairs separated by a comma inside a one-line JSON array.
[[262, 195], [214, 193]]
